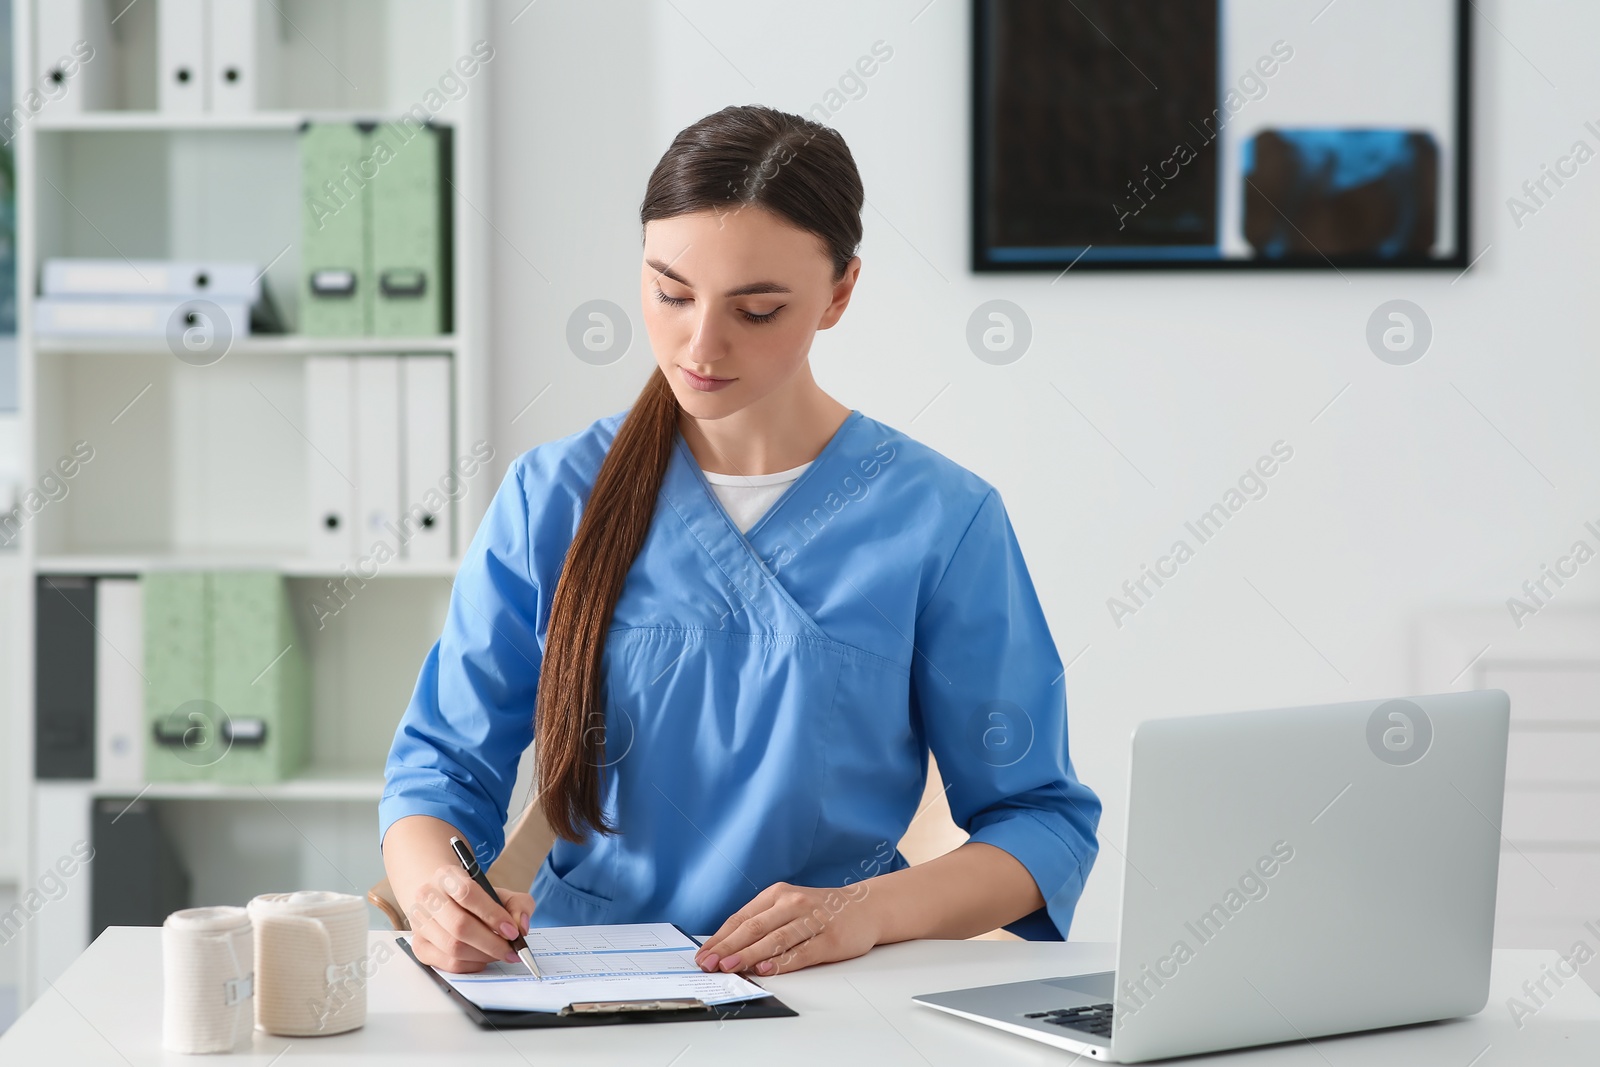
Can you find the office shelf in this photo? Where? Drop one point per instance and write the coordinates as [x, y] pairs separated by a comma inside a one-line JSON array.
[[256, 345], [289, 566], [310, 787], [160, 122]]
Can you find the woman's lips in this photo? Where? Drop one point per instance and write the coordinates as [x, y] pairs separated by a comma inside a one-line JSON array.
[[705, 385]]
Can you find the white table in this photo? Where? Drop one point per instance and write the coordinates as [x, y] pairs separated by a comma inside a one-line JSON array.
[[106, 1009]]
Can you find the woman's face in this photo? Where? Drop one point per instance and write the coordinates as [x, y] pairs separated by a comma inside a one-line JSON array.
[[736, 297]]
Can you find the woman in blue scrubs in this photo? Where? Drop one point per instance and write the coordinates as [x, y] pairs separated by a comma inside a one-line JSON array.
[[733, 621]]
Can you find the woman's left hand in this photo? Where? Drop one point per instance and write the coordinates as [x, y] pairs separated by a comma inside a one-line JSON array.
[[787, 927]]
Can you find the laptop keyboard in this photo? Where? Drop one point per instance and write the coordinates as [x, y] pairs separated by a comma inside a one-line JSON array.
[[1091, 1018]]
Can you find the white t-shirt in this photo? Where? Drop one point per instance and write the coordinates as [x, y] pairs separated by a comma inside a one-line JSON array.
[[746, 497]]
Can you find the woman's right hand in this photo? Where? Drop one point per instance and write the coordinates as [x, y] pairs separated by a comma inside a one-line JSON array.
[[457, 927]]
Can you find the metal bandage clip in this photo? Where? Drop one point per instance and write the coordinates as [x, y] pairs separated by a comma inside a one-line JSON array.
[[236, 989]]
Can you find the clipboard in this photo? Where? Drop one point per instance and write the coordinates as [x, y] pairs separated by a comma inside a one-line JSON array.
[[767, 1007]]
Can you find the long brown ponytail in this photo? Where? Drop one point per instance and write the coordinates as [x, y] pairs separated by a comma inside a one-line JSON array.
[[740, 156]]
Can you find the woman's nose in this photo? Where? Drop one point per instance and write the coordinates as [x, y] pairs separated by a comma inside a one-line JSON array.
[[707, 342]]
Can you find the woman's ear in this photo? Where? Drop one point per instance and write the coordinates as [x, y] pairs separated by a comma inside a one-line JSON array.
[[841, 294]]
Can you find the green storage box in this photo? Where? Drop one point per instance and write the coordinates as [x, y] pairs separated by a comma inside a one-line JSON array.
[[409, 230], [335, 256], [227, 678], [177, 670]]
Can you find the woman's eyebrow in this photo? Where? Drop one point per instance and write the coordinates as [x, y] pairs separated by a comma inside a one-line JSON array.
[[753, 289]]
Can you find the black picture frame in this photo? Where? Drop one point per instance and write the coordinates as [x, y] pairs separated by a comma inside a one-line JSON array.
[[982, 262]]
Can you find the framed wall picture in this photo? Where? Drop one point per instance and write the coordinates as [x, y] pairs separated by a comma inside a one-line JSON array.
[[1220, 134]]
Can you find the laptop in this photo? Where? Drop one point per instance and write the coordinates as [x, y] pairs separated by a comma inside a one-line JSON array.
[[1288, 874]]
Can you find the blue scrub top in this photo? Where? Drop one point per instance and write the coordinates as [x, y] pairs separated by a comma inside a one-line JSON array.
[[771, 697]]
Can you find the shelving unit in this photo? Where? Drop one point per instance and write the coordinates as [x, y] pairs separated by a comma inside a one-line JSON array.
[[205, 467]]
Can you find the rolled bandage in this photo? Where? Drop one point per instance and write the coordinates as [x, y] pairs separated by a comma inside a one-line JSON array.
[[206, 979], [311, 962]]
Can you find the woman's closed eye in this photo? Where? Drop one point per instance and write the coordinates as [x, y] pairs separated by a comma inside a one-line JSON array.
[[679, 301]]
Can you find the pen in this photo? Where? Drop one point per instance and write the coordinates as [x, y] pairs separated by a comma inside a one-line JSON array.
[[470, 864]]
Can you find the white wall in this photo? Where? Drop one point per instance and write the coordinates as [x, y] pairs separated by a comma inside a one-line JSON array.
[[1446, 482]]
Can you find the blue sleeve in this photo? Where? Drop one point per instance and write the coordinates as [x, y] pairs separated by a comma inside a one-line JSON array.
[[456, 750], [988, 685]]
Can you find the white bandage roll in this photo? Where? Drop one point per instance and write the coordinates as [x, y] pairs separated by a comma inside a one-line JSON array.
[[206, 964], [311, 962]]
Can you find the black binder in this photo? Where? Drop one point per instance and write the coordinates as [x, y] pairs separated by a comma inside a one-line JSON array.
[[63, 677], [139, 878], [768, 1007]]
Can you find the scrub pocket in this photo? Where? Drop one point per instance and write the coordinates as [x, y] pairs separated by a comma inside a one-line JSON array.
[[558, 903]]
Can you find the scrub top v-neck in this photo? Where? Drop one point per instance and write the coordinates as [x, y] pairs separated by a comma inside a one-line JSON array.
[[771, 696], [747, 497]]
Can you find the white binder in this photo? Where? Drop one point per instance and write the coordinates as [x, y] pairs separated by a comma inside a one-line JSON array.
[[427, 507], [72, 276], [182, 53], [377, 478], [244, 55], [71, 316], [119, 682], [62, 816], [76, 60], [330, 459]]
